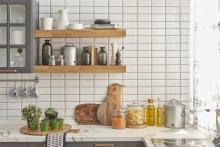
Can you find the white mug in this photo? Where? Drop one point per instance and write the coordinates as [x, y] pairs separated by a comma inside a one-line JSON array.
[[47, 23]]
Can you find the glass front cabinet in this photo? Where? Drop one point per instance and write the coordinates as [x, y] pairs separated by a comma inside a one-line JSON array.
[[18, 47]]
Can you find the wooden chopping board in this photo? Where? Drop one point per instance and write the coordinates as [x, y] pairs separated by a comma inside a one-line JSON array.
[[86, 114], [112, 102], [66, 128]]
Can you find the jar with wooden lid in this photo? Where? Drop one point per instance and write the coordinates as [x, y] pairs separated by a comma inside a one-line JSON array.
[[135, 115], [119, 119]]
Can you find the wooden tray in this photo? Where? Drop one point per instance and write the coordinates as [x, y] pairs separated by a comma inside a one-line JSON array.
[[66, 128]]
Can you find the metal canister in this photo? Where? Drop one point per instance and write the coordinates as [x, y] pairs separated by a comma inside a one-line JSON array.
[[69, 51], [174, 114]]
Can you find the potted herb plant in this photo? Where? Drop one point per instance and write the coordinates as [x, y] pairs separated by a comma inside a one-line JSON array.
[[55, 124], [51, 114], [45, 124], [61, 123], [32, 114]]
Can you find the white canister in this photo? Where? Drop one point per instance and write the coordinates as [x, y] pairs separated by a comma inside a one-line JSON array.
[[47, 23], [18, 37], [63, 20], [69, 51]]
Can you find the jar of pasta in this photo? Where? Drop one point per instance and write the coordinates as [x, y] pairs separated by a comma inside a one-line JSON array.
[[135, 115], [119, 119]]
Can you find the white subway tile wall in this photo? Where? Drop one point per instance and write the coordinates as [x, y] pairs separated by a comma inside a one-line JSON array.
[[156, 56]]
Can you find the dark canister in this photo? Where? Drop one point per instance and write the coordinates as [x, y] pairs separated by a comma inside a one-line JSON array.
[[46, 52], [86, 56], [102, 57]]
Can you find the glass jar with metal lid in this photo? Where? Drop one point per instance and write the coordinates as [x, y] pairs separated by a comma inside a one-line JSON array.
[[135, 115], [119, 119]]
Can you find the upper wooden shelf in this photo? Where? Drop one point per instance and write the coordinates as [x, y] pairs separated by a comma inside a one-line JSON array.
[[80, 69], [80, 33]]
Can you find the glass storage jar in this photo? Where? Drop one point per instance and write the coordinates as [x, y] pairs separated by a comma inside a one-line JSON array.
[[119, 119], [135, 115]]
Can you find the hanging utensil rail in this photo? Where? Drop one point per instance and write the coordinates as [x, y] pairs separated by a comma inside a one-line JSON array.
[[35, 80]]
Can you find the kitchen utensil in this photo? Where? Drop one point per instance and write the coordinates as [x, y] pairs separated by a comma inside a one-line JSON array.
[[86, 56], [174, 114], [102, 57], [104, 113], [66, 128], [94, 56], [102, 21], [86, 114], [76, 26], [105, 26], [47, 49], [112, 102], [47, 23], [63, 21], [70, 54]]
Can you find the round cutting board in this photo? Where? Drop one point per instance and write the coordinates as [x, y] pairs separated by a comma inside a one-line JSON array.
[[28, 131]]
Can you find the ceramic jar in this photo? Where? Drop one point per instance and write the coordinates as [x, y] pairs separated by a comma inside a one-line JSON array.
[[63, 20]]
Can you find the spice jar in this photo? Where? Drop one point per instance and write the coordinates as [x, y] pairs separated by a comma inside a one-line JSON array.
[[135, 115], [119, 119]]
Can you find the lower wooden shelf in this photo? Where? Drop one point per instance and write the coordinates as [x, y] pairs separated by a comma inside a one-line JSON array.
[[80, 69]]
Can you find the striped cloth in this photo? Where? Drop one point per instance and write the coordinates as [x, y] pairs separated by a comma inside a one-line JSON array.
[[56, 140]]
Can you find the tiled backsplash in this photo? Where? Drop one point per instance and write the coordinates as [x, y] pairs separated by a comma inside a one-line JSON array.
[[156, 56]]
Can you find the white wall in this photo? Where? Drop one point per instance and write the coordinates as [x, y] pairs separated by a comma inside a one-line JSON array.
[[156, 55]]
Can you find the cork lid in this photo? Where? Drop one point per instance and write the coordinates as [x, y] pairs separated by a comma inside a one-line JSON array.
[[150, 100]]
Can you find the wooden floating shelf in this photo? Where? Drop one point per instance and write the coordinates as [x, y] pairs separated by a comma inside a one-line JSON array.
[[80, 69], [80, 33]]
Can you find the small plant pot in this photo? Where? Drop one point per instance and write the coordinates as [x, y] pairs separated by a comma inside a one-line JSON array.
[[61, 123], [29, 121], [55, 125], [44, 126], [34, 125]]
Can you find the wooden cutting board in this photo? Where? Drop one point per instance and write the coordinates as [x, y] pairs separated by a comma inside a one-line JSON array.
[[86, 114]]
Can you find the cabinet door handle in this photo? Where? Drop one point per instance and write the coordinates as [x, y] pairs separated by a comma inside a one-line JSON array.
[[104, 145], [8, 71]]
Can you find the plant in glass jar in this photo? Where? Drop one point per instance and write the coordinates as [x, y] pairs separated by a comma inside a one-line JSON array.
[[32, 114]]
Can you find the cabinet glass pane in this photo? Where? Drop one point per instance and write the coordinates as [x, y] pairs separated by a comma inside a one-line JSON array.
[[3, 59], [17, 35], [17, 57], [3, 35], [3, 14], [17, 13]]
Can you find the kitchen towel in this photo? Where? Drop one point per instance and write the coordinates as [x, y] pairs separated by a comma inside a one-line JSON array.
[[56, 140]]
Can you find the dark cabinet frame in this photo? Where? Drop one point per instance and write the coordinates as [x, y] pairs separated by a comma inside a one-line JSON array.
[[31, 46]]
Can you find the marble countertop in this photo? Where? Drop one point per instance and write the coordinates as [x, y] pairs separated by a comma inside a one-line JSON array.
[[9, 132]]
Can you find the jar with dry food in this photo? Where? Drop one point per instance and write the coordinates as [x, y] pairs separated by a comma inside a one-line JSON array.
[[135, 115], [119, 119]]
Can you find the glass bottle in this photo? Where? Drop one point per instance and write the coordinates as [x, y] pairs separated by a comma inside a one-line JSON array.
[[86, 56], [150, 113], [46, 52], [19, 58], [52, 60], [102, 57], [159, 119]]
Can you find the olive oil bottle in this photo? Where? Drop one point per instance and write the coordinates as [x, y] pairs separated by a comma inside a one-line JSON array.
[[150, 111], [159, 116]]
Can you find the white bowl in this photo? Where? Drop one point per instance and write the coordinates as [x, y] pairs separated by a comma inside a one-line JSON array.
[[76, 26]]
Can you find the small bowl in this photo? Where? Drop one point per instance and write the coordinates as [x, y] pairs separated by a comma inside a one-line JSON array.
[[76, 26]]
